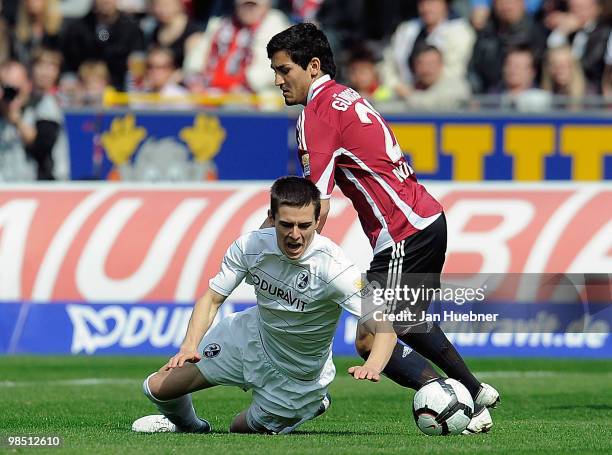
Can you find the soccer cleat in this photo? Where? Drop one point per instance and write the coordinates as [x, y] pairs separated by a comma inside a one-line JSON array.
[[487, 396], [158, 423], [481, 421], [324, 406], [154, 424]]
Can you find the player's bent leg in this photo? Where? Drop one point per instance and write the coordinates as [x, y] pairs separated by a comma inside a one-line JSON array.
[[170, 392], [250, 420], [170, 384], [255, 419], [405, 367], [239, 424], [243, 423], [430, 341], [281, 404]]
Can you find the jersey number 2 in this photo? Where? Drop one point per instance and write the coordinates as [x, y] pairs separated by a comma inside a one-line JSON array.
[[364, 110]]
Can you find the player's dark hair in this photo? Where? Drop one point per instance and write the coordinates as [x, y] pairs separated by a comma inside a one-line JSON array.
[[303, 42], [294, 192]]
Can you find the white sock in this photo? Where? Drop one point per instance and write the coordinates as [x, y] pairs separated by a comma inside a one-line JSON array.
[[179, 411]]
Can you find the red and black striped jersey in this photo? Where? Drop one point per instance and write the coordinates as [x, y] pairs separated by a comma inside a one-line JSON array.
[[343, 140]]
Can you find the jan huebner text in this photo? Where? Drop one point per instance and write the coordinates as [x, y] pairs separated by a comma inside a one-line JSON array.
[[445, 316]]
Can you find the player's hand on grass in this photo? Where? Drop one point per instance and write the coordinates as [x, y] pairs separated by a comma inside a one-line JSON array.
[[184, 355], [365, 372]]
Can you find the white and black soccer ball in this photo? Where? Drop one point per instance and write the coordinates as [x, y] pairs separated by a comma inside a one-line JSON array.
[[442, 407]]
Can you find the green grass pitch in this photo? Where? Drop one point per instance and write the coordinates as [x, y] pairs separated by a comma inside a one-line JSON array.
[[548, 406]]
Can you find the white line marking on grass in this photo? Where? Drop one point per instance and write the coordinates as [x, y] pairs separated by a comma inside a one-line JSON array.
[[534, 374], [73, 382], [511, 374]]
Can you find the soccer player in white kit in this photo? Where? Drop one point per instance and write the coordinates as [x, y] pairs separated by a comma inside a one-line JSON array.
[[280, 348]]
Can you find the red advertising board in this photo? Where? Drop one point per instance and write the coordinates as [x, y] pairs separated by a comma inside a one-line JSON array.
[[147, 243]]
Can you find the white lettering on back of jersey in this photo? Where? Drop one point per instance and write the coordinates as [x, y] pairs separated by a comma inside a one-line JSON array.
[[363, 111], [403, 171], [344, 100]]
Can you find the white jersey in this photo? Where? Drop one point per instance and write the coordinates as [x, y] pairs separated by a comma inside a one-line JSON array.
[[299, 301]]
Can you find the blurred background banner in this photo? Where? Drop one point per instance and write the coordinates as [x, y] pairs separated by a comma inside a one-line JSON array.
[[506, 147], [185, 146], [156, 328], [135, 243], [93, 268], [218, 145], [95, 328]]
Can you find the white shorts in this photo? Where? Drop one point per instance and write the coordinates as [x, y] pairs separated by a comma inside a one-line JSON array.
[[232, 355]]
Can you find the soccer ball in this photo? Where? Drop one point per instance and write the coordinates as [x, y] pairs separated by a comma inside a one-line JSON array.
[[442, 407]]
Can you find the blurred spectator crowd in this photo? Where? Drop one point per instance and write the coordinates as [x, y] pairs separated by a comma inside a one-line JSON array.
[[524, 55]]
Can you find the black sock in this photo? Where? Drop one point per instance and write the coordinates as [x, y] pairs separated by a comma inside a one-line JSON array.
[[436, 347], [409, 369]]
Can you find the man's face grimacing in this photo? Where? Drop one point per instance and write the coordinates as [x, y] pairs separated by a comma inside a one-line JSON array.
[[292, 79], [295, 228]]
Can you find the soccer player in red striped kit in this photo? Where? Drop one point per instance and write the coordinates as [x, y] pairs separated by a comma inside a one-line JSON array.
[[344, 141]]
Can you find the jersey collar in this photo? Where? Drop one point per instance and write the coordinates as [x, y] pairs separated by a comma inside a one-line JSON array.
[[315, 87]]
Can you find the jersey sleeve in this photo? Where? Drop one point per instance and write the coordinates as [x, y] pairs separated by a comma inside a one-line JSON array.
[[345, 281], [319, 149], [233, 270]]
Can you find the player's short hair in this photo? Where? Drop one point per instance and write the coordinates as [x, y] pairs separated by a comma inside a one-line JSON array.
[[294, 192], [303, 42]]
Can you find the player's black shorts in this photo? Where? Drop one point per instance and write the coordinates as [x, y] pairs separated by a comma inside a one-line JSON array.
[[413, 263]]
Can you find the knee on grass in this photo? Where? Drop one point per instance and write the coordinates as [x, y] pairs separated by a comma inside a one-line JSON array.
[[239, 424]]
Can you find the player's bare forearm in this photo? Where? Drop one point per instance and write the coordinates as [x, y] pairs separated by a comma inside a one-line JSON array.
[[382, 348], [204, 312]]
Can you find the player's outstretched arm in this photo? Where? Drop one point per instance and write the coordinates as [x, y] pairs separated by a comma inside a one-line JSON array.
[[382, 348], [204, 312]]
